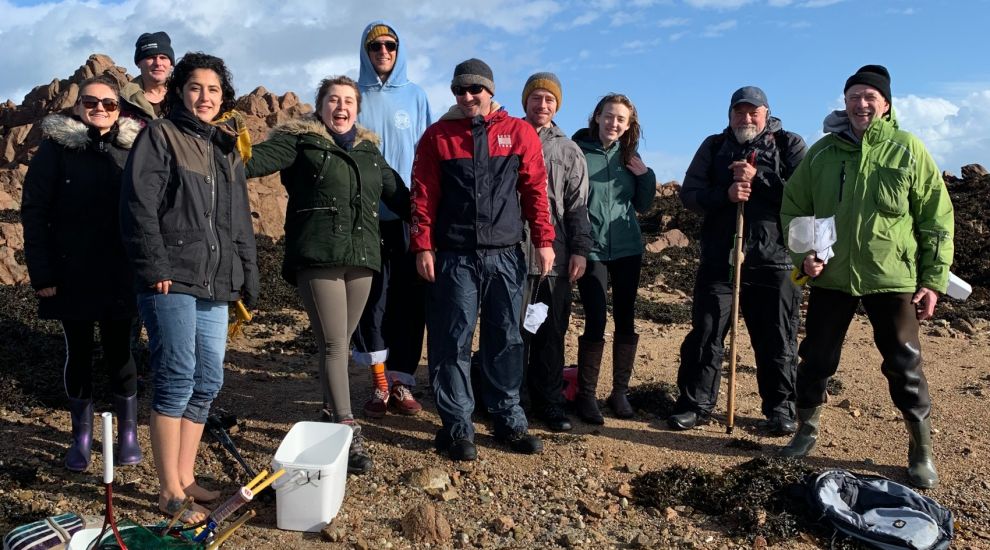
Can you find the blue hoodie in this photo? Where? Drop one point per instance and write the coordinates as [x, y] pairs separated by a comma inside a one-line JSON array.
[[397, 110]]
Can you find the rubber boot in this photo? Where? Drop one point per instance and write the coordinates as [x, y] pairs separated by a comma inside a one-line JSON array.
[[623, 359], [921, 467], [589, 365], [128, 448], [78, 457], [807, 435]]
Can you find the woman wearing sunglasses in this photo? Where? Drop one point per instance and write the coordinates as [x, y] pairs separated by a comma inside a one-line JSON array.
[[76, 261], [620, 185], [335, 176], [186, 224]]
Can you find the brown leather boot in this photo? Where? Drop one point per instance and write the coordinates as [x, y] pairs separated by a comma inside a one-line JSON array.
[[589, 365], [623, 358]]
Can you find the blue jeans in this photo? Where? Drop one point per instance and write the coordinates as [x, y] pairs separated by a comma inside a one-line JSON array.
[[489, 282], [187, 337]]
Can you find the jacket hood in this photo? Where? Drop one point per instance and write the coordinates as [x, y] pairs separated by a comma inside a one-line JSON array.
[[312, 125], [133, 93], [72, 133], [551, 133], [368, 77], [837, 122], [455, 113]]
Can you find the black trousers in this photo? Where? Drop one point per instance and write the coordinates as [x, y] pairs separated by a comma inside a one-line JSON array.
[[895, 333], [623, 273], [115, 342], [395, 316], [544, 351], [770, 305]]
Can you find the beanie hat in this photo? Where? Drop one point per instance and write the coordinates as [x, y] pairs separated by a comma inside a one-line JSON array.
[[875, 76], [547, 81], [378, 31], [474, 71], [153, 43]]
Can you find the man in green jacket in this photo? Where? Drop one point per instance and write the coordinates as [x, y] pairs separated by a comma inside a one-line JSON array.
[[892, 252]]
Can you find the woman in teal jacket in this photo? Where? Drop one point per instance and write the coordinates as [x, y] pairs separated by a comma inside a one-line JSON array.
[[620, 186], [335, 175]]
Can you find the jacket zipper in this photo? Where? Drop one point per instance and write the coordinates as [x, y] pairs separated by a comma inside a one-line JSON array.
[[842, 179], [214, 258]]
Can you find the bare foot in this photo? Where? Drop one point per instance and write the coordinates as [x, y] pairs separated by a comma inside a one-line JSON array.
[[190, 516], [201, 495]]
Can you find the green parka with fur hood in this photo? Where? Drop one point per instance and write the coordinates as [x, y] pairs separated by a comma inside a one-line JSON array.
[[332, 216], [893, 216]]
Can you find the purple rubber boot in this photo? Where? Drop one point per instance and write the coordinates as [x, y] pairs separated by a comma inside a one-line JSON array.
[[78, 457], [128, 448]]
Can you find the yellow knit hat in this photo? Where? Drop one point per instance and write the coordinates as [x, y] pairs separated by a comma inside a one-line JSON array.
[[547, 81], [380, 30]]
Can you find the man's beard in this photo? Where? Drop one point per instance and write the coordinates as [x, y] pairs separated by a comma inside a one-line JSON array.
[[745, 134]]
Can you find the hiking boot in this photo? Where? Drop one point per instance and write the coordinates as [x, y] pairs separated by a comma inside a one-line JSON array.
[[778, 425], [806, 436], [555, 419], [589, 365], [128, 448], [523, 443], [462, 450], [685, 420], [401, 400], [78, 456], [623, 359], [327, 415], [377, 405], [358, 459], [921, 468]]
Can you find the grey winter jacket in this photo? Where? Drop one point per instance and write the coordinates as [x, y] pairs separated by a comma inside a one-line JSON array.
[[567, 191]]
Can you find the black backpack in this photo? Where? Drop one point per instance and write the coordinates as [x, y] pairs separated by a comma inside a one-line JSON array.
[[880, 512]]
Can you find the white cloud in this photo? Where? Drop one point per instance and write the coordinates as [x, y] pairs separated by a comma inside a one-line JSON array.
[[901, 11], [718, 4], [955, 132], [820, 3], [672, 22], [586, 18], [718, 29], [779, 3]]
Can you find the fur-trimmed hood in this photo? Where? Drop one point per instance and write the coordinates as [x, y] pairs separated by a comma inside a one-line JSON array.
[[312, 125], [72, 133]]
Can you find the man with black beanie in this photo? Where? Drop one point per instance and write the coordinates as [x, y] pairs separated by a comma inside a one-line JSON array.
[[478, 173], [143, 96], [893, 248]]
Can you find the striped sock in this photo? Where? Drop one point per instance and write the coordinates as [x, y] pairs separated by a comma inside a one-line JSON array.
[[378, 377]]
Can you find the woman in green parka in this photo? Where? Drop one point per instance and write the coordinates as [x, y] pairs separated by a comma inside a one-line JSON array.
[[620, 185], [335, 176]]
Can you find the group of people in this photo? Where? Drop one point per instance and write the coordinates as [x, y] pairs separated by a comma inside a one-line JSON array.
[[137, 203]]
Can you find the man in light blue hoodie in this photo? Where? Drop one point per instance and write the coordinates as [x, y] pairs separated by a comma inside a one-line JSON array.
[[391, 328]]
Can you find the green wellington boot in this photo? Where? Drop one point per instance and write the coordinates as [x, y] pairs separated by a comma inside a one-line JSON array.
[[921, 467], [807, 435]]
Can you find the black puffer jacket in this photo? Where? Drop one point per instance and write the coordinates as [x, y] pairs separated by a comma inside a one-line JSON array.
[[706, 188], [184, 213], [69, 212]]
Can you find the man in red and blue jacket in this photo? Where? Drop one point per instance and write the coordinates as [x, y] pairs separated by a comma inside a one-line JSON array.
[[478, 174]]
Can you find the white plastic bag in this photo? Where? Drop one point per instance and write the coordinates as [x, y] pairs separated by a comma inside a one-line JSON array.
[[807, 234], [535, 315]]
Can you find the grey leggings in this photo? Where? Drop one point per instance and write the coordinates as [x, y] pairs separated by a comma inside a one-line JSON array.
[[334, 298]]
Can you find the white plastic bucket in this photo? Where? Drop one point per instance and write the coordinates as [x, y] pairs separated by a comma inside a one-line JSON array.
[[314, 455], [958, 288]]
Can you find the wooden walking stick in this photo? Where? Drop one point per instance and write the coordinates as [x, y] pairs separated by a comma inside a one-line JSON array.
[[737, 261]]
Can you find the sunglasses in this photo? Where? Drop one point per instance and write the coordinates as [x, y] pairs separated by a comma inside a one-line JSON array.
[[90, 102], [473, 89], [389, 46]]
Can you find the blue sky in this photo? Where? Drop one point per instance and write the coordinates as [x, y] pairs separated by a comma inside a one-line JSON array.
[[679, 60]]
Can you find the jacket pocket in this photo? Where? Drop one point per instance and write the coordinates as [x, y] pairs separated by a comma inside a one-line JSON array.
[[891, 193], [187, 256]]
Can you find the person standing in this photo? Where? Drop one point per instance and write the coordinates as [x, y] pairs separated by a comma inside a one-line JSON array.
[[76, 260], [391, 329], [744, 166], [143, 97], [335, 177], [894, 227], [567, 190], [478, 174], [186, 225], [620, 185]]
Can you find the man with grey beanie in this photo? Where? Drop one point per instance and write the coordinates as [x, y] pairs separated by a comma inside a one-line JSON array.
[[478, 174], [748, 162], [893, 249]]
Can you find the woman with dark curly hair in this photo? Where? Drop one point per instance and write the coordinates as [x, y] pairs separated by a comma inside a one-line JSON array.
[[335, 176], [186, 224], [75, 258], [620, 185]]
